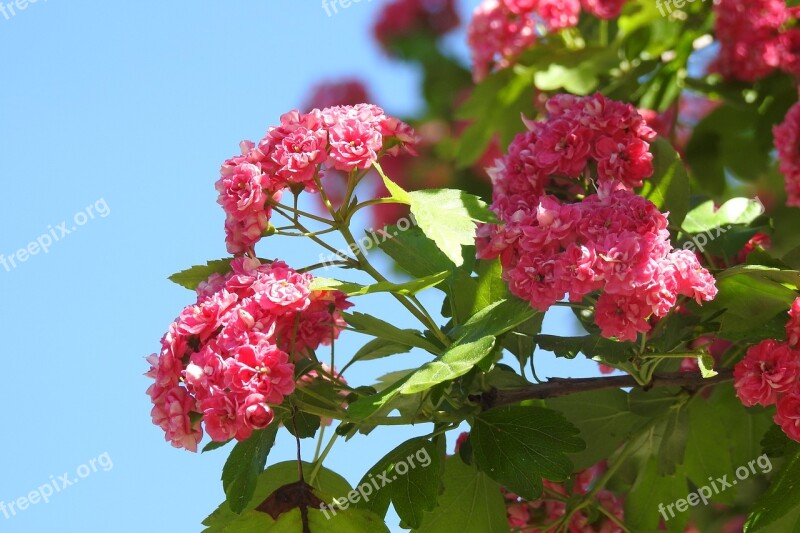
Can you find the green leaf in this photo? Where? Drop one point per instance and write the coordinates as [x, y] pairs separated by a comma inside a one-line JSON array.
[[707, 217], [782, 498], [705, 456], [604, 420], [471, 503], [674, 438], [589, 345], [349, 521], [668, 188], [194, 276], [455, 362], [521, 341], [491, 288], [651, 490], [396, 192], [376, 327], [449, 217], [518, 445], [415, 253], [493, 108], [367, 406], [378, 348], [495, 319], [214, 445], [354, 289], [306, 424], [755, 300], [408, 476], [245, 463], [328, 485], [706, 363]]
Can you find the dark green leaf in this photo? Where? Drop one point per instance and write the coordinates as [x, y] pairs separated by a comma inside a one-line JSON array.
[[604, 420], [782, 498], [409, 477], [518, 445], [590, 345], [245, 463], [668, 188], [471, 503]]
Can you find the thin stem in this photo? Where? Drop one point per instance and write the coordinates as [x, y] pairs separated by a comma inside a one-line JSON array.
[[318, 463], [284, 233], [362, 205], [319, 442], [278, 206]]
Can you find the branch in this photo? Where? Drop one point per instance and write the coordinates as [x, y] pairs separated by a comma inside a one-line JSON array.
[[556, 387]]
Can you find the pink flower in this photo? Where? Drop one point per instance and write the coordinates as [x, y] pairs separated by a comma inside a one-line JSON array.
[[241, 191], [496, 36], [262, 369], [563, 148], [793, 325], [623, 317], [255, 412], [354, 145], [404, 18], [171, 412], [559, 14], [604, 9], [787, 143], [220, 417], [298, 155], [230, 350], [788, 415], [769, 368]]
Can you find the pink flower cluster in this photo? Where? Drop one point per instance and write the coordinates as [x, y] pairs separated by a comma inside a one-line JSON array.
[[753, 39], [226, 359], [502, 29], [531, 516], [404, 18], [787, 143], [295, 155], [614, 240], [770, 374]]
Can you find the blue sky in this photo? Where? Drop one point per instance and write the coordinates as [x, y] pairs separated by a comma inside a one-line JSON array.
[[128, 108]]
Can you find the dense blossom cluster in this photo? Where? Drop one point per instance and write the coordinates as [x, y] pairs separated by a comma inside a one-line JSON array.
[[770, 374], [613, 240], [527, 516], [501, 29], [404, 18], [226, 359], [754, 39], [531, 516], [295, 155], [787, 143]]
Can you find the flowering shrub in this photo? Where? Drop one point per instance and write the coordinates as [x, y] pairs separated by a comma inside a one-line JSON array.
[[643, 178]]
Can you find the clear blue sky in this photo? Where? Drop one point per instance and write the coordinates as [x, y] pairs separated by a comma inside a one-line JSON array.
[[132, 106]]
